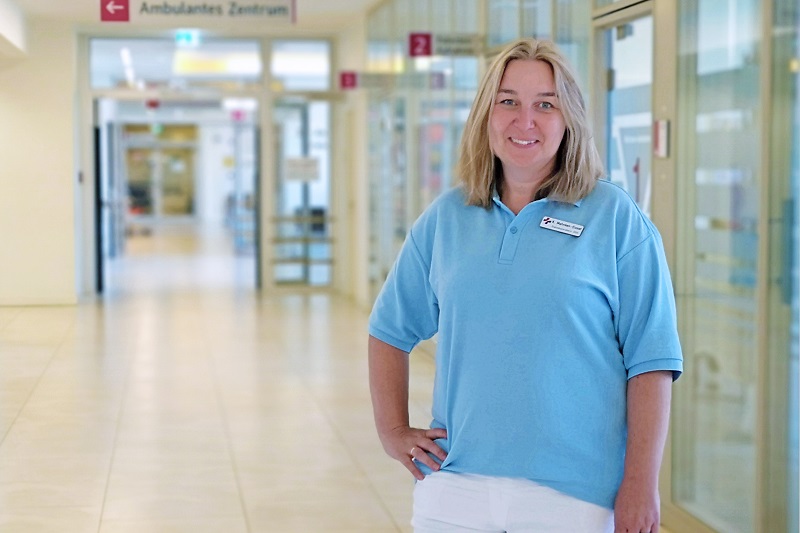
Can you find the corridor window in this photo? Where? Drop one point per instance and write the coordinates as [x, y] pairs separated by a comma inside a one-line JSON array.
[[301, 65], [174, 65]]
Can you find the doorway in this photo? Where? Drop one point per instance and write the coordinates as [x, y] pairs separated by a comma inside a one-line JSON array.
[[624, 43], [278, 207], [177, 162], [303, 253], [177, 195]]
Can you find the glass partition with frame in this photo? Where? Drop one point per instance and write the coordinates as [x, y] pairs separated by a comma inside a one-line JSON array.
[[537, 19], [628, 52], [303, 243], [380, 61], [503, 22], [572, 34], [732, 447], [299, 65], [164, 64], [417, 116], [302, 219], [781, 491]]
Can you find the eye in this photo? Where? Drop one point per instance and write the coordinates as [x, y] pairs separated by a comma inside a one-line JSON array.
[[506, 101], [546, 105]]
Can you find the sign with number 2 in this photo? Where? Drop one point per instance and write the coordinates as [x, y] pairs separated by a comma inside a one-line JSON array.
[[420, 44]]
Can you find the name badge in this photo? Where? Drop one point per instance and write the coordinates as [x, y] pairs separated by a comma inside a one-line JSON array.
[[561, 226]]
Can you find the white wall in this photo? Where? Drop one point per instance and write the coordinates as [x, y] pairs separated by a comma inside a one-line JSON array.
[[12, 30], [37, 170], [351, 194]]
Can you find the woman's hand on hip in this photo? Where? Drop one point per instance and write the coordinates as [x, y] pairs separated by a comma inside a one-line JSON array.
[[412, 445], [637, 508]]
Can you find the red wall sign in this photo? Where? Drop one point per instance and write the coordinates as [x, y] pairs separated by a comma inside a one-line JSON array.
[[115, 11], [420, 44], [348, 80]]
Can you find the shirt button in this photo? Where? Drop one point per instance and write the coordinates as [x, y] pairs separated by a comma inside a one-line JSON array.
[[513, 229]]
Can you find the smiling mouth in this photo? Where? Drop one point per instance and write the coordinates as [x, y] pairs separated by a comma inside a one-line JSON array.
[[521, 142]]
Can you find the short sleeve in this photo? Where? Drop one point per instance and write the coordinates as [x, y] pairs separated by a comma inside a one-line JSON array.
[[647, 324], [406, 310]]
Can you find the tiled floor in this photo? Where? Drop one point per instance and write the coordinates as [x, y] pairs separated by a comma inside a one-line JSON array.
[[184, 402], [190, 409]]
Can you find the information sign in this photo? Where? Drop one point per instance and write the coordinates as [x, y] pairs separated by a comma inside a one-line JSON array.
[[421, 44], [301, 168], [348, 80], [115, 11], [197, 13]]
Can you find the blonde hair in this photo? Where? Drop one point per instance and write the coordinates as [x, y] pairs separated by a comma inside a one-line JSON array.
[[578, 165]]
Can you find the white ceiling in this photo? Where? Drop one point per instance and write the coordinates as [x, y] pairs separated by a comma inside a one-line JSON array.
[[318, 16]]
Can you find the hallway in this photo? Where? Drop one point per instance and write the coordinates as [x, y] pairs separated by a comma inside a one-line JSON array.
[[211, 410]]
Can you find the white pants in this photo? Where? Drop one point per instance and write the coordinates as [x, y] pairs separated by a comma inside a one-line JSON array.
[[445, 501]]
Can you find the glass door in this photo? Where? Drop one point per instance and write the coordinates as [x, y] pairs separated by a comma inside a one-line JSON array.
[[734, 449], [303, 241], [382, 235], [176, 190], [160, 171], [301, 231], [626, 47], [716, 419]]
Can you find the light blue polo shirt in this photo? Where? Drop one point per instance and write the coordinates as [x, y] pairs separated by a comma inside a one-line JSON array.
[[539, 331]]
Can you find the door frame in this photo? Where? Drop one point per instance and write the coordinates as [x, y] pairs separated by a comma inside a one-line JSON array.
[[663, 100], [89, 268], [98, 203], [664, 207]]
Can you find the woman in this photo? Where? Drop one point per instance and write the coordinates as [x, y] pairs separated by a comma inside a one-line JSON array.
[[557, 339]]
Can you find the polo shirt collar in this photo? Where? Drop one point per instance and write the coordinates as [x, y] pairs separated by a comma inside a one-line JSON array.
[[496, 198]]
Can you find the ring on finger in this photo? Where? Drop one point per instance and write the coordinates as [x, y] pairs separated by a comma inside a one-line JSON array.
[[411, 453]]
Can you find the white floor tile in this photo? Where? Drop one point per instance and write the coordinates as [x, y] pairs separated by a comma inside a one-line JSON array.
[[178, 404]]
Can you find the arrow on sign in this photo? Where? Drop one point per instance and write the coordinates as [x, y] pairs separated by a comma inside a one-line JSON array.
[[114, 10], [112, 7]]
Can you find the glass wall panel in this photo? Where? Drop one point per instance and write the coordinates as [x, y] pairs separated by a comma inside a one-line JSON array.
[[417, 117], [537, 19], [573, 22], [629, 54], [793, 272], [504, 21], [228, 64], [380, 61], [414, 126], [785, 266], [716, 408], [379, 31], [443, 102], [382, 252], [793, 266], [409, 15], [303, 252], [467, 16], [301, 65], [160, 169]]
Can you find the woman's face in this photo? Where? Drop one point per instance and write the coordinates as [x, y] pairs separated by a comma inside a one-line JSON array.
[[526, 125]]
